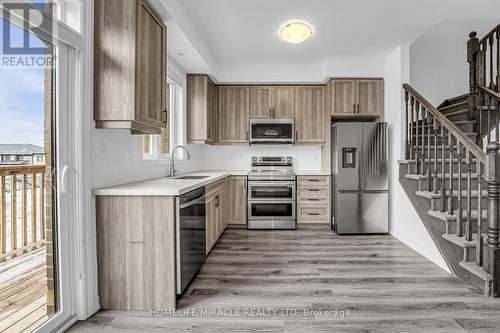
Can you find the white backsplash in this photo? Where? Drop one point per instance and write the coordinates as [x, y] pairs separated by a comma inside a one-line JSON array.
[[205, 157]]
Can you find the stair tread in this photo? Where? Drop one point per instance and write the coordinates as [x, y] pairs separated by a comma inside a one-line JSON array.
[[466, 133], [454, 113], [476, 270], [430, 195], [453, 105], [460, 241], [445, 217], [440, 176]]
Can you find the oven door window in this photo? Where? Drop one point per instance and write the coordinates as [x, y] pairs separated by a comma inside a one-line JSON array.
[[272, 131], [271, 192], [260, 209]]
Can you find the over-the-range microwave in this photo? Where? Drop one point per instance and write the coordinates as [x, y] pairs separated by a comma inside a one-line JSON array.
[[271, 131]]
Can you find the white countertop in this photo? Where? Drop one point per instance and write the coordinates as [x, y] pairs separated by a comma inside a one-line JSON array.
[[167, 186], [311, 173]]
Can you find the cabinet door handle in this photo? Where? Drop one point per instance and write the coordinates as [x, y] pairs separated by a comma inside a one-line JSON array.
[[313, 199], [313, 190], [165, 122], [358, 108], [313, 180], [313, 214], [208, 132], [247, 135], [354, 108], [217, 201], [296, 135]]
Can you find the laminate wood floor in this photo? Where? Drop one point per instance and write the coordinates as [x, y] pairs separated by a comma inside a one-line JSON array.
[[311, 280]]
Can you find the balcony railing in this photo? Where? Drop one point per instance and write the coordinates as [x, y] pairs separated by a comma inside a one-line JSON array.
[[22, 209]]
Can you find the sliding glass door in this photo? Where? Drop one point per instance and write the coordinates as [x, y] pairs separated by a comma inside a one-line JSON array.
[[38, 85]]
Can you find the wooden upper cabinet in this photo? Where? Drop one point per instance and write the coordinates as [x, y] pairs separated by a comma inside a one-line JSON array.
[[271, 101], [370, 97], [201, 109], [343, 96], [130, 55], [310, 114], [356, 98], [282, 101], [233, 114], [260, 102]]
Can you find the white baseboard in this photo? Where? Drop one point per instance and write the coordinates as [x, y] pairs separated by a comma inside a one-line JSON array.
[[419, 249]]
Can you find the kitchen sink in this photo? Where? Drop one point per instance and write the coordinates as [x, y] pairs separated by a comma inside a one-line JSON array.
[[192, 177]]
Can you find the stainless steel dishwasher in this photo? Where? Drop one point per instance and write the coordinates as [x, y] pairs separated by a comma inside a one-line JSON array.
[[190, 236]]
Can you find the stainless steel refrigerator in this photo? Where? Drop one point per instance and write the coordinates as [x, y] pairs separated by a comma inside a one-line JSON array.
[[360, 202]]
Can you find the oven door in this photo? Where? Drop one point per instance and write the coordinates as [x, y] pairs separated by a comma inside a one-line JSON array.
[[271, 190], [269, 131], [271, 210]]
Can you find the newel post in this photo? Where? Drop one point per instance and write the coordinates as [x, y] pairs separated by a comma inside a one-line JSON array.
[[472, 53], [492, 250]]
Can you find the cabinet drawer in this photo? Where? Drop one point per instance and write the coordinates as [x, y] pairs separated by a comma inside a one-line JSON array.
[[314, 190], [313, 200], [313, 180], [313, 214], [215, 187]]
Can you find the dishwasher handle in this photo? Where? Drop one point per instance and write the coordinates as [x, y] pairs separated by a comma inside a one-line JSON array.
[[194, 202]]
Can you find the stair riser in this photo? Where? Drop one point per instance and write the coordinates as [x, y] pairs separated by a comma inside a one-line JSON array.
[[424, 184], [436, 203], [451, 226], [439, 140]]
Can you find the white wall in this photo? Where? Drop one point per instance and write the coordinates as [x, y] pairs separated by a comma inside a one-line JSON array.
[[405, 224], [239, 157], [438, 59]]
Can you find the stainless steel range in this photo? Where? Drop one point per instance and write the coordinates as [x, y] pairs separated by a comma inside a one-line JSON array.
[[271, 193]]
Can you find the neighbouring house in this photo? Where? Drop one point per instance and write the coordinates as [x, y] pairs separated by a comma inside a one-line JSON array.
[[21, 154]]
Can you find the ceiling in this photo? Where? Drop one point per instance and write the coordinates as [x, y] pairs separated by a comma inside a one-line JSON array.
[[245, 33]]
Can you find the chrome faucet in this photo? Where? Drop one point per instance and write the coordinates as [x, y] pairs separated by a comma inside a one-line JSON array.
[[172, 163]]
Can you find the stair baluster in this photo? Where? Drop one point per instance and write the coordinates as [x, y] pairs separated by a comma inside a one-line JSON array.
[[429, 118], [443, 170], [468, 222], [435, 175], [498, 60], [423, 112], [479, 238], [407, 129], [492, 70], [417, 130], [450, 196], [459, 214], [412, 132]]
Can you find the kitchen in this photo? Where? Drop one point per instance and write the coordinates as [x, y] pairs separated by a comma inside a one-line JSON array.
[[181, 217], [283, 162]]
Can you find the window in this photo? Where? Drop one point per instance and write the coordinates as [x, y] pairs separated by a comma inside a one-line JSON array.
[[159, 146], [39, 158]]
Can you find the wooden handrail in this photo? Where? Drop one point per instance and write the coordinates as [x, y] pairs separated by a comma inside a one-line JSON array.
[[8, 170], [489, 92], [452, 128], [490, 33]]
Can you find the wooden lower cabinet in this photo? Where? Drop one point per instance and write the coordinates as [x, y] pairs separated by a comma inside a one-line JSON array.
[[136, 252], [214, 211], [237, 194], [313, 199]]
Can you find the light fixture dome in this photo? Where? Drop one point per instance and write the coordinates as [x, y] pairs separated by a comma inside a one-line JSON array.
[[296, 32]]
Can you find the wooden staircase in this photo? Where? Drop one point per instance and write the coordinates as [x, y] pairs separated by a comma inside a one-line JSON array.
[[451, 170]]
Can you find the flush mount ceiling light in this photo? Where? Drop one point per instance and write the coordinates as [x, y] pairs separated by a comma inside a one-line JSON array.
[[296, 32]]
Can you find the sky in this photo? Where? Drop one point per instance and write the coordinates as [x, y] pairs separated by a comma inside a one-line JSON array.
[[21, 96]]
